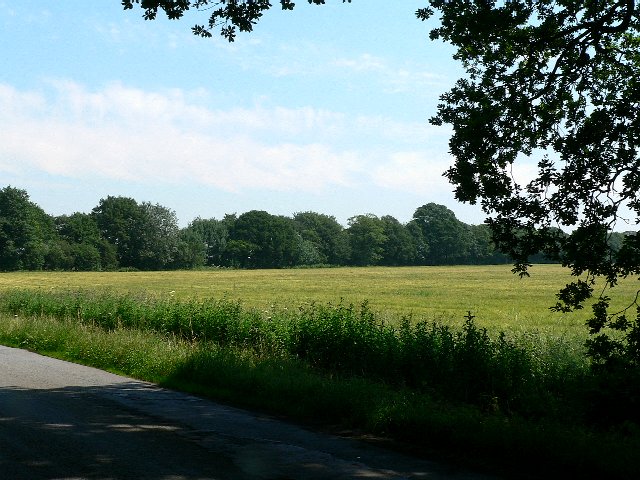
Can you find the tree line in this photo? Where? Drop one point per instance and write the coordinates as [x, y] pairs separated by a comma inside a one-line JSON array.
[[120, 233]]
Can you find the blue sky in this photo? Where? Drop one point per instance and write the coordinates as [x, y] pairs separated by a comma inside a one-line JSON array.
[[324, 109]]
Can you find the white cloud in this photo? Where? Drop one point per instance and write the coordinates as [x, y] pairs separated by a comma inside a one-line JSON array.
[[128, 134], [416, 172], [363, 63], [406, 80], [393, 77], [309, 59]]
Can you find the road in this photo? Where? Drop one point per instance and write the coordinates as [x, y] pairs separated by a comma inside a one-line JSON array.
[[60, 420]]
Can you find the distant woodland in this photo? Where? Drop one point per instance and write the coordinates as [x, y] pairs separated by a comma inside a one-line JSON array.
[[120, 234]]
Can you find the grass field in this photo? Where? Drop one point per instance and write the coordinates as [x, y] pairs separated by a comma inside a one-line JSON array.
[[493, 294]]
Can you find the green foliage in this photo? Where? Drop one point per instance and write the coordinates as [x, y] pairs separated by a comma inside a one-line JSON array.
[[529, 397], [399, 247], [158, 237], [308, 254], [25, 231], [326, 235], [190, 252], [263, 240], [549, 81], [555, 82], [81, 246], [448, 238], [465, 365], [227, 16], [366, 237], [118, 219], [288, 387], [214, 235], [121, 233], [145, 236], [482, 250]]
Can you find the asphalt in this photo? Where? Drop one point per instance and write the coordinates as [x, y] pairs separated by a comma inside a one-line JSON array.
[[60, 420]]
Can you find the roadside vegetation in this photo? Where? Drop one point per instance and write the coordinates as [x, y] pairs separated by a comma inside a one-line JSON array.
[[499, 398]]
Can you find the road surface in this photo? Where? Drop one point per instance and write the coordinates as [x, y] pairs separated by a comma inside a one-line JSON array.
[[60, 420]]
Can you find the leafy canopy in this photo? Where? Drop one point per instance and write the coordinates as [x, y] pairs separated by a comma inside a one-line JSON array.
[[556, 82], [227, 15]]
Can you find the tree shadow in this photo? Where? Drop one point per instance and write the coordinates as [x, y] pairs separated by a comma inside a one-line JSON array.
[[76, 432]]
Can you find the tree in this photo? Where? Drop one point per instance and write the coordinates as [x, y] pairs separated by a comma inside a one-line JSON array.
[[240, 254], [83, 244], [84, 257], [214, 235], [158, 240], [191, 251], [558, 83], [26, 231], [399, 247], [307, 253], [145, 235], [448, 238], [262, 240], [118, 218], [325, 235], [420, 245], [482, 249], [367, 238]]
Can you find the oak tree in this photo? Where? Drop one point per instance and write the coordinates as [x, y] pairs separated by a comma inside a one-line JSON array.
[[555, 83]]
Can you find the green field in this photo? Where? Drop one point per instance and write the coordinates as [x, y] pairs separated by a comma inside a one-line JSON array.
[[493, 294]]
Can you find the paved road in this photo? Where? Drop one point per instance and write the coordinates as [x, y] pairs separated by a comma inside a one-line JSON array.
[[59, 420]]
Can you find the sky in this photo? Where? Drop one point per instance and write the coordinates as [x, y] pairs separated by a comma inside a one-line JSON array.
[[321, 109]]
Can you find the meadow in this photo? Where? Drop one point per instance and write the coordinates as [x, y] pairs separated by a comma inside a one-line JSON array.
[[496, 297], [388, 351]]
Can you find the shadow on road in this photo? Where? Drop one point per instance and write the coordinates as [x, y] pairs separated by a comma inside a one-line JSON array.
[[77, 432]]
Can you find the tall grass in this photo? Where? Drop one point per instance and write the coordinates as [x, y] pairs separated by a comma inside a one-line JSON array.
[[507, 373]]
